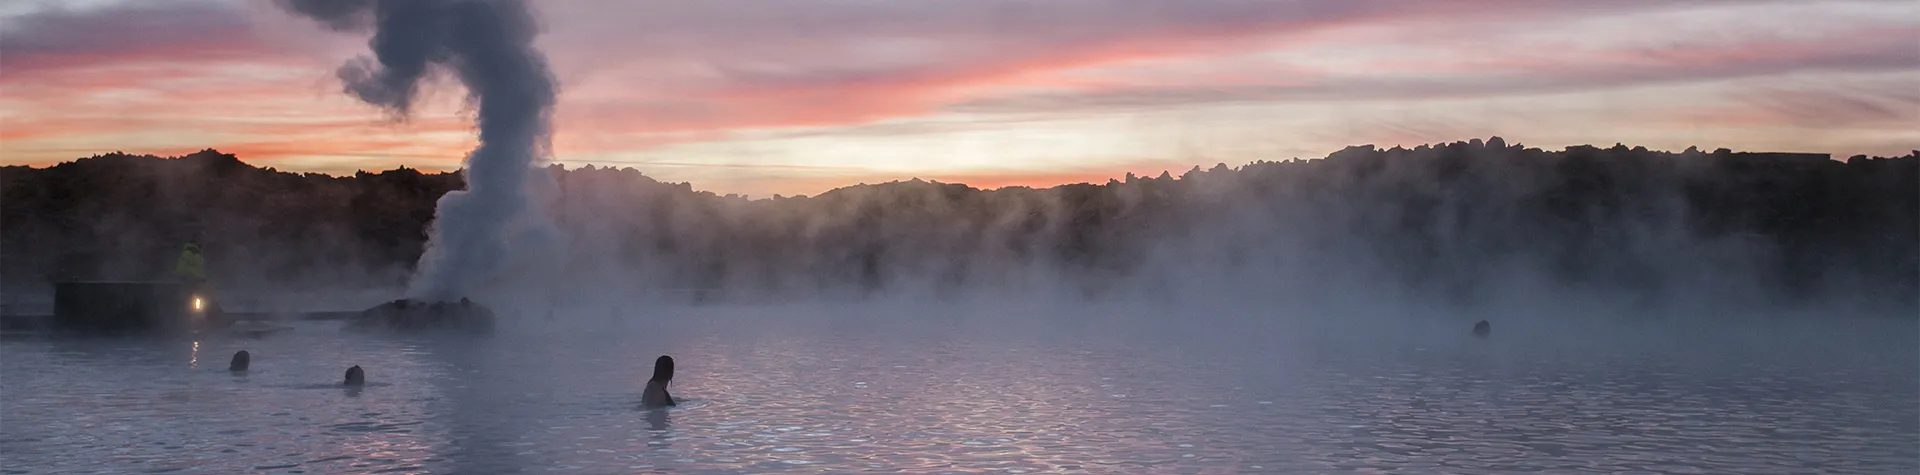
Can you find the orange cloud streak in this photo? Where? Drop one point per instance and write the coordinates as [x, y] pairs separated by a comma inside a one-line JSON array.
[[885, 96]]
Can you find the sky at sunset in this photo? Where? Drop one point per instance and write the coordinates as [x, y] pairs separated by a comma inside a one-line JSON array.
[[799, 96]]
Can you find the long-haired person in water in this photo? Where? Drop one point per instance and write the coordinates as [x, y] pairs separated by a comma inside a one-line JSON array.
[[656, 393]]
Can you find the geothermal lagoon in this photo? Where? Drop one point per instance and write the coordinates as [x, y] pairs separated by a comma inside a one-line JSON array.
[[1691, 309], [948, 388]]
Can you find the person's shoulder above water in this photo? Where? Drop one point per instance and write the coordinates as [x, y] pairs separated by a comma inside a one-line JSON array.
[[656, 396]]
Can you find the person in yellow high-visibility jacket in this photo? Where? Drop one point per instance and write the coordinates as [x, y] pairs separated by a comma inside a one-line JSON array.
[[192, 267]]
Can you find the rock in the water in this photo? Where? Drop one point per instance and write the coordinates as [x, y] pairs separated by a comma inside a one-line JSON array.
[[1482, 329], [255, 329], [413, 315]]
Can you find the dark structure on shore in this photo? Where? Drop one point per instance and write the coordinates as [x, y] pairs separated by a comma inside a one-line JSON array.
[[133, 308]]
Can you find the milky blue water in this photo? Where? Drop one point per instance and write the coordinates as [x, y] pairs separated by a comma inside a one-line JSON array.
[[784, 390]]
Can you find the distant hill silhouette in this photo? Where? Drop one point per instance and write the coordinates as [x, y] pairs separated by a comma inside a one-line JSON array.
[[1448, 219]]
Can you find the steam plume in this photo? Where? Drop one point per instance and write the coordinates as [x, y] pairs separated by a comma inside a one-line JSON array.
[[489, 45]]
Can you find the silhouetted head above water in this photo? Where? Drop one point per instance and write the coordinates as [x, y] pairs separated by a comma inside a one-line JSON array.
[[240, 361], [356, 376], [656, 396], [1482, 328], [662, 369]]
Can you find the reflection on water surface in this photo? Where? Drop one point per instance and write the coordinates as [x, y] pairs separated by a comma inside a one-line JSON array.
[[833, 397]]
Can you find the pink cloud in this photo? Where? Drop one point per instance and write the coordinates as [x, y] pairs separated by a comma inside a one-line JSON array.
[[810, 64], [180, 32], [1877, 50], [1885, 104]]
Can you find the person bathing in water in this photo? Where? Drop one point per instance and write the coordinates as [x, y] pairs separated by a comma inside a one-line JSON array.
[[356, 376], [656, 395], [239, 363]]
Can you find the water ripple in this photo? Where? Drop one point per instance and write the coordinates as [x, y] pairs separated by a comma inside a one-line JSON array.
[[911, 400]]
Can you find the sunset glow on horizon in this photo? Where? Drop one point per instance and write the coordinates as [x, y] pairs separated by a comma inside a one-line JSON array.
[[743, 96]]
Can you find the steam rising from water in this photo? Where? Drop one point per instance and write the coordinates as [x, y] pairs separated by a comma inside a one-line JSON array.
[[489, 45], [1470, 224]]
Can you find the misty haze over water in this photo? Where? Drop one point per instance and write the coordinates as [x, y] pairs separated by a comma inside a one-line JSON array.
[[1466, 224]]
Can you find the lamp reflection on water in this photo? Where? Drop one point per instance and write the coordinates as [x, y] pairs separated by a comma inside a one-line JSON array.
[[193, 359]]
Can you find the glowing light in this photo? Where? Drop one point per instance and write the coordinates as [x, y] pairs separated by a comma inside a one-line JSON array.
[[197, 305], [193, 359]]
